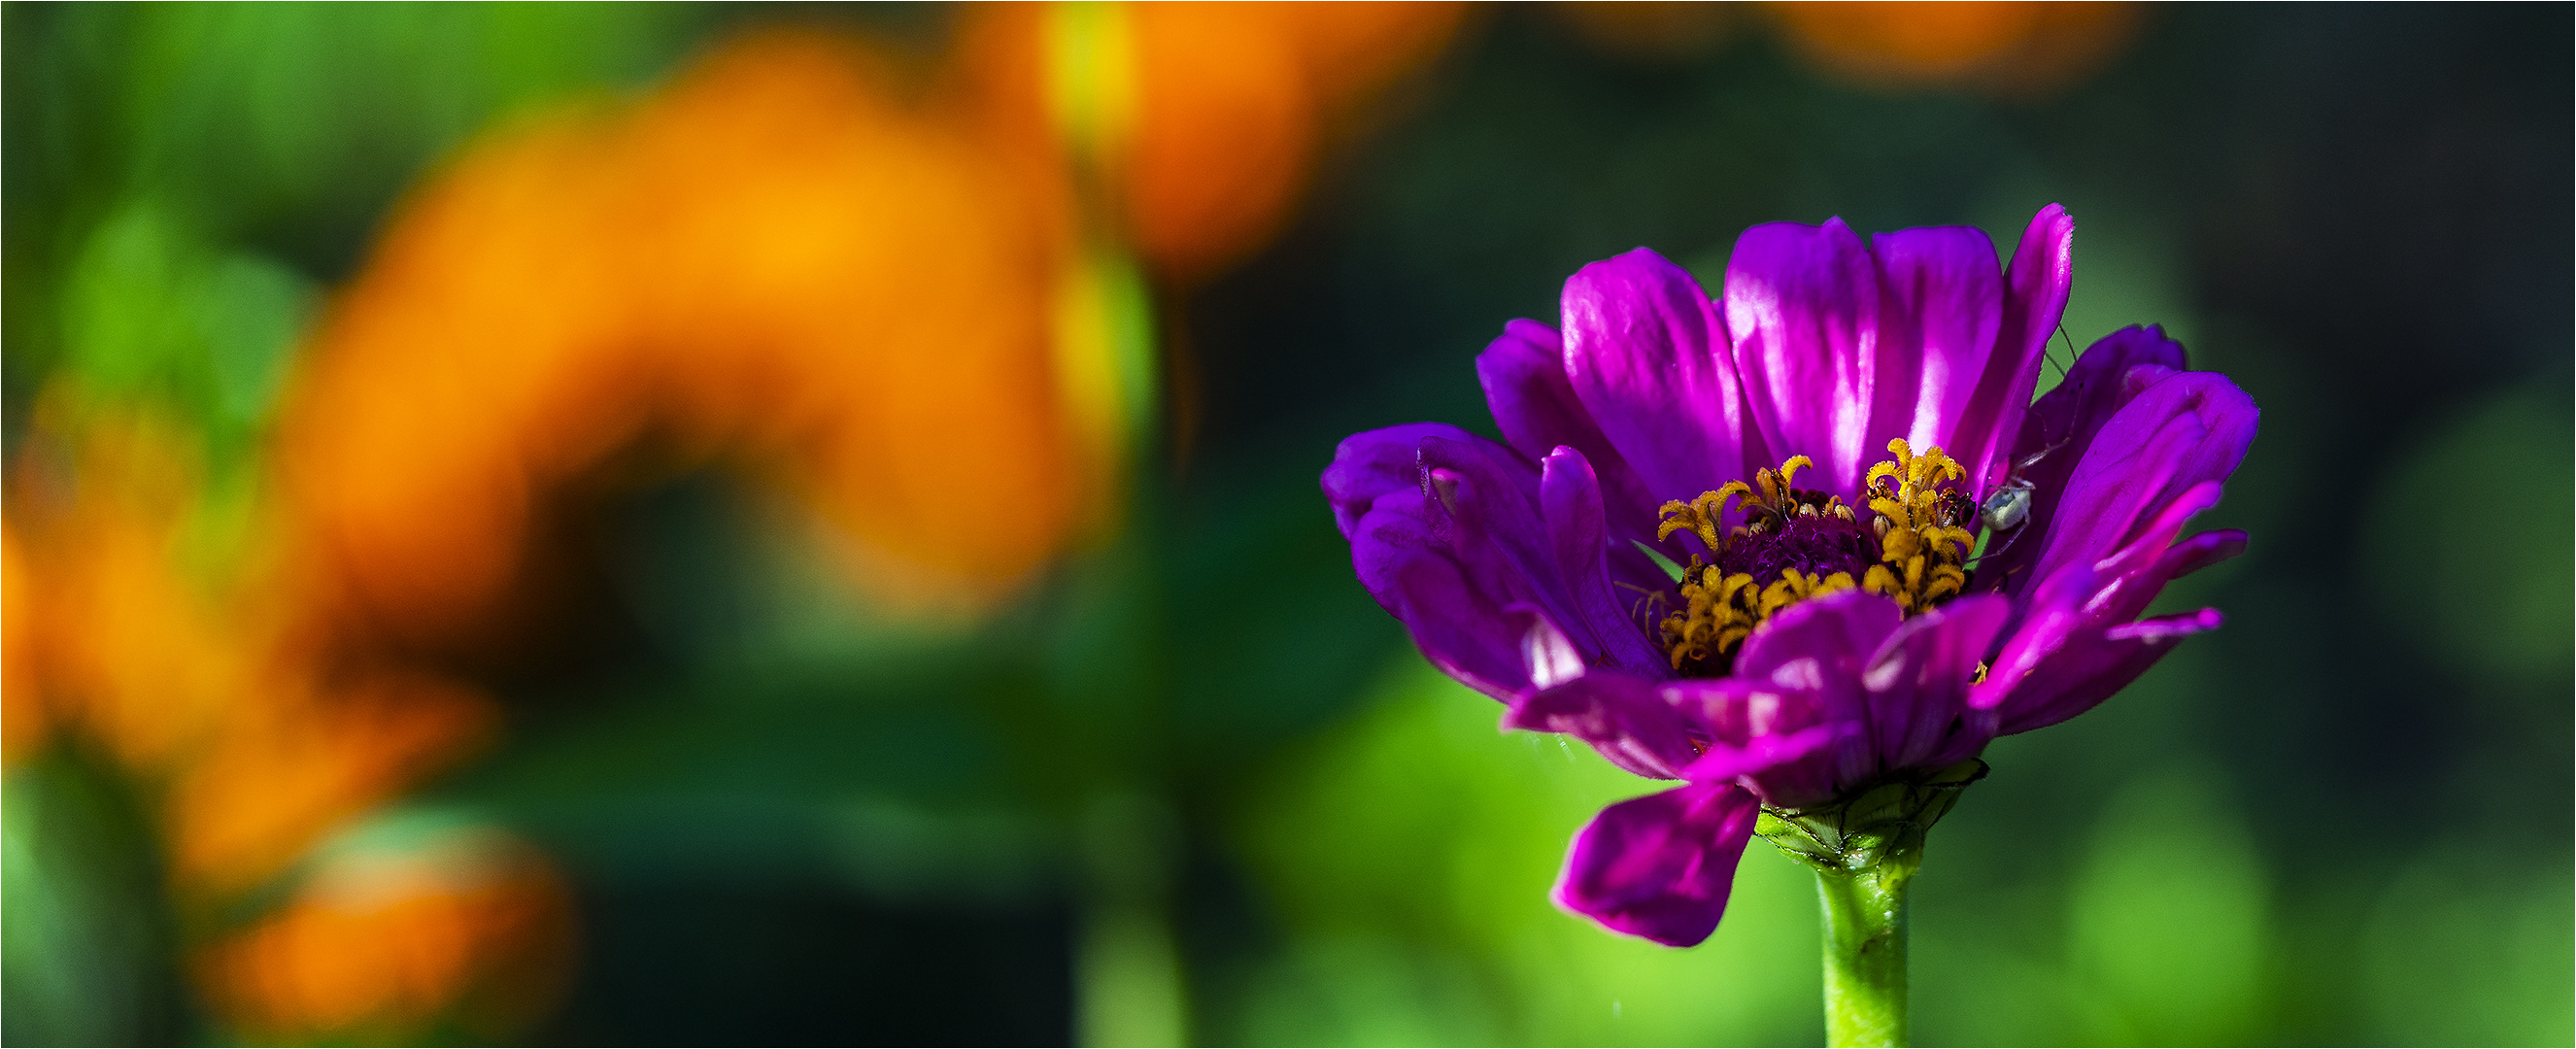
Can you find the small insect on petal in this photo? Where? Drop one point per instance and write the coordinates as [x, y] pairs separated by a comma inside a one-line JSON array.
[[2007, 508]]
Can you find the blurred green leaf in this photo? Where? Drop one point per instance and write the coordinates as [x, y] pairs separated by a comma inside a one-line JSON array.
[[1410, 853], [2471, 947], [85, 938], [2170, 931], [2482, 510], [152, 311]]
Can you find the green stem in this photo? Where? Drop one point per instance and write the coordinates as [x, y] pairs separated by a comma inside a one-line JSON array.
[[1865, 849], [1865, 951]]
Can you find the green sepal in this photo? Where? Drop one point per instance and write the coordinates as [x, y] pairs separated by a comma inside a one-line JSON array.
[[1863, 830]]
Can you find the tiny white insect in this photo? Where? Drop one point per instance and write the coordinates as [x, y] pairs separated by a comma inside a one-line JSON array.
[[2010, 503], [2008, 506]]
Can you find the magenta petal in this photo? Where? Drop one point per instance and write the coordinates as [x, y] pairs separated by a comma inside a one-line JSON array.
[[1620, 716], [1495, 526], [2098, 650], [1820, 646], [2087, 672], [1762, 753], [1647, 356], [1550, 657], [2099, 383], [2061, 427], [2043, 268], [1802, 303], [1570, 497], [2186, 430], [1776, 741], [1802, 644], [1660, 867], [1737, 710], [2078, 645], [2133, 575], [1918, 682], [1372, 463], [1457, 627], [1442, 577], [2054, 613], [1940, 304], [2122, 578], [2203, 550], [2168, 628], [1523, 373], [1533, 402], [1788, 770]]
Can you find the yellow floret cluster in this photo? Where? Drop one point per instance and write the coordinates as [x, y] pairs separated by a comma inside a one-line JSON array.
[[1922, 549]]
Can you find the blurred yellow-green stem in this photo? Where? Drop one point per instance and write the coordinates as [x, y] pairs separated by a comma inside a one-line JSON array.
[[1865, 951]]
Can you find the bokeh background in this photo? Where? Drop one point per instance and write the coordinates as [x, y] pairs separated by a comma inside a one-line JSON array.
[[668, 523]]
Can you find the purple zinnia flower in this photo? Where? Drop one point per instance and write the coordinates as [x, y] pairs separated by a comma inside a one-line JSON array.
[[1731, 543]]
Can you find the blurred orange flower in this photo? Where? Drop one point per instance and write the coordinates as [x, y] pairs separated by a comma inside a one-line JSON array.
[[188, 673], [1232, 105], [471, 929], [282, 772], [2008, 48], [895, 295], [24, 721], [773, 263], [111, 636], [797, 261]]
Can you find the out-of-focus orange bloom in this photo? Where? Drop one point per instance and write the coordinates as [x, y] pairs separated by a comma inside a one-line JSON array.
[[1232, 102], [796, 262], [774, 262], [1208, 117], [23, 719], [125, 643], [188, 675], [874, 291], [279, 774], [471, 929], [2006, 47]]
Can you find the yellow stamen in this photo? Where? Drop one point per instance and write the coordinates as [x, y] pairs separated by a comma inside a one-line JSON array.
[[1719, 610], [1700, 516], [1922, 559]]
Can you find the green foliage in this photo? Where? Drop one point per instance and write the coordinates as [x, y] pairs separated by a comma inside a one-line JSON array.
[[2468, 946], [1409, 854], [2495, 568], [207, 159], [84, 938], [153, 312], [2169, 931]]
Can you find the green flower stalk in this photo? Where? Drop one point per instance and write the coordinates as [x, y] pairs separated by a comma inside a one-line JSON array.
[[1865, 953], [1865, 852]]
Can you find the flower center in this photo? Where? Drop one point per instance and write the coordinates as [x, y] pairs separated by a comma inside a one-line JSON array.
[[1797, 543]]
